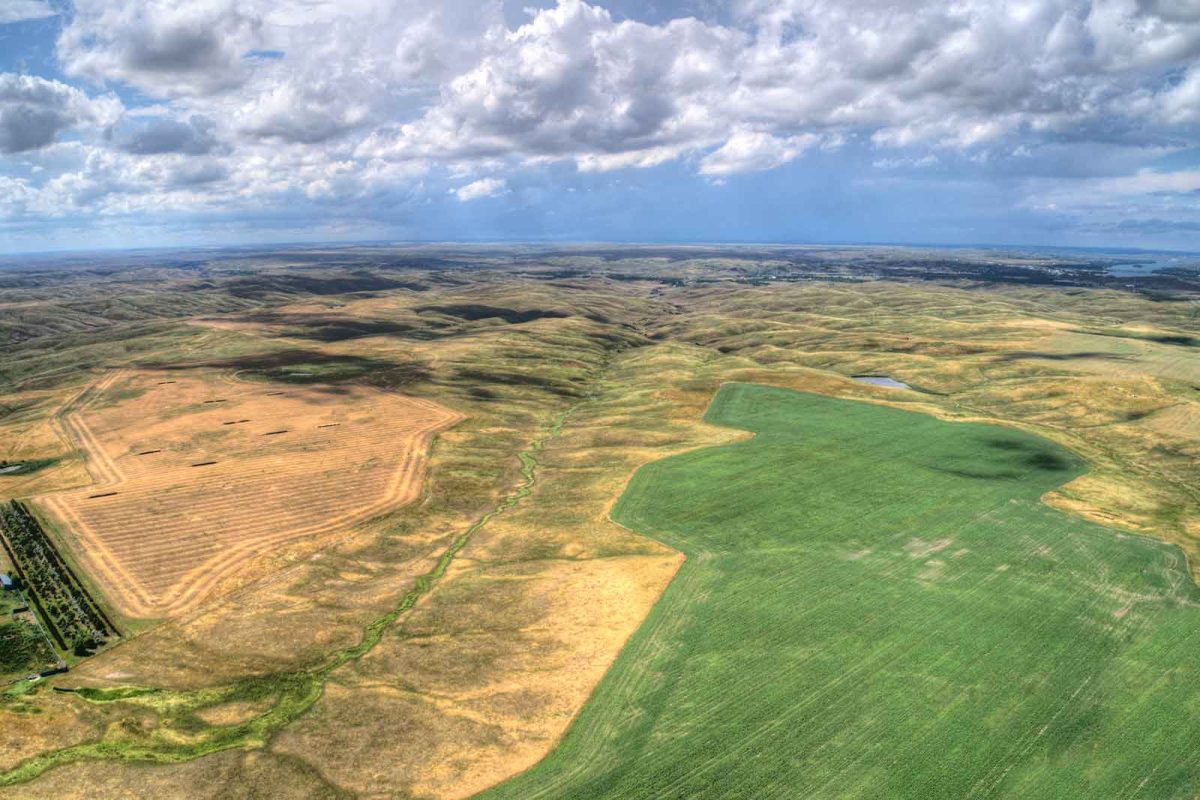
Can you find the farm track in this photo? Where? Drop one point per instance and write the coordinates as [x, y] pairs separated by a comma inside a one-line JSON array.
[[296, 692], [171, 521], [101, 467]]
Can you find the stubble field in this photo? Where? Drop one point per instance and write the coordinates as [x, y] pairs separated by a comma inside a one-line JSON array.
[[198, 474]]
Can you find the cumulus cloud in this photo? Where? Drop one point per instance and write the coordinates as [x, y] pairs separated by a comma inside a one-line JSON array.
[[164, 47], [574, 83], [21, 10], [1178, 104], [162, 134], [16, 196], [34, 111], [333, 66], [329, 99], [484, 187], [754, 151], [306, 114], [197, 173]]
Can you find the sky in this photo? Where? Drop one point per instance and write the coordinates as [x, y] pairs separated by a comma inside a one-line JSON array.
[[141, 123]]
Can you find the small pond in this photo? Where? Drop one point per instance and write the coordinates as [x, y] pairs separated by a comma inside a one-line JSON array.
[[881, 380]]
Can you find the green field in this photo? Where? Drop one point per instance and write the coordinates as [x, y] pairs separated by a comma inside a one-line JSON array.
[[877, 604]]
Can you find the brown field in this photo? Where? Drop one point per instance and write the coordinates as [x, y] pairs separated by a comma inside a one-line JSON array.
[[1120, 356], [1181, 420], [198, 473]]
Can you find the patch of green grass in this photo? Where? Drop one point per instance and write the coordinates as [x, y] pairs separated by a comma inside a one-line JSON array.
[[876, 603], [27, 466], [23, 649]]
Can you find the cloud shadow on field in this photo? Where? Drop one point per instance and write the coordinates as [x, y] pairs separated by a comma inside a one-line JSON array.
[[260, 286], [1020, 355], [472, 312], [312, 367], [326, 327]]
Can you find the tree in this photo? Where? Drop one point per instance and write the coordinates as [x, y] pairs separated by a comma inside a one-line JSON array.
[[82, 643]]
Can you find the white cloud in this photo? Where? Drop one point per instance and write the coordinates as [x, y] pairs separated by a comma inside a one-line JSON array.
[[642, 159], [34, 111], [1146, 202], [573, 83], [331, 65], [150, 134], [16, 195], [1150, 182], [1180, 103], [164, 47], [484, 187], [754, 151], [907, 162], [21, 10], [329, 99]]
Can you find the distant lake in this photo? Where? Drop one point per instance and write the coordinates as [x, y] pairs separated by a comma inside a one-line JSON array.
[[1151, 264], [881, 380]]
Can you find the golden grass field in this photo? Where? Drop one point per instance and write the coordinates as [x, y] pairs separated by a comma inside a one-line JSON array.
[[198, 474]]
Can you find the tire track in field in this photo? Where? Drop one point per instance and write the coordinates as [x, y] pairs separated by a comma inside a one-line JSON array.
[[191, 553]]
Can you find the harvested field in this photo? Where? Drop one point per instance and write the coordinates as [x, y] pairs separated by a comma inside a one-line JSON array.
[[186, 500]]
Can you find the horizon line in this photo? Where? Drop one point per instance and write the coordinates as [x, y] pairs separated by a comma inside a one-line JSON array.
[[575, 243]]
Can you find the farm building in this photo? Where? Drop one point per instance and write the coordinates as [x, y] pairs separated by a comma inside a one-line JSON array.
[[6, 581]]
